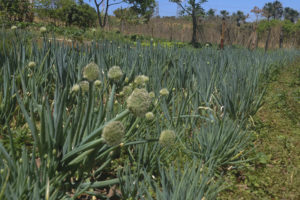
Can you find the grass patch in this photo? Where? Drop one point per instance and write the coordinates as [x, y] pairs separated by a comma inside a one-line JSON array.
[[275, 172]]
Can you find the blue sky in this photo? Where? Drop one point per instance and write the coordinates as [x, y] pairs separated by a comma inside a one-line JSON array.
[[169, 9]]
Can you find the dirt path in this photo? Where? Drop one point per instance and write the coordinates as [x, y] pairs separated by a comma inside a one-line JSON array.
[[276, 172]]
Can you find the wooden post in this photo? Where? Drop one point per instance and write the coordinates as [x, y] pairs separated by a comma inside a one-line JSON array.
[[223, 34]]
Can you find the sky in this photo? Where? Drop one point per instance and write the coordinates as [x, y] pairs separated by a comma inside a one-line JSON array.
[[167, 8]]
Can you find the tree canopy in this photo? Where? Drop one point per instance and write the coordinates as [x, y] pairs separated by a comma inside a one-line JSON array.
[[291, 14], [273, 9]]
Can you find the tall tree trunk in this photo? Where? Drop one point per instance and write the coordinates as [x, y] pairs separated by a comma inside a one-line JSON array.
[[122, 26], [194, 36], [257, 39], [252, 44], [281, 36], [171, 32], [268, 39], [102, 21], [222, 34], [268, 36]]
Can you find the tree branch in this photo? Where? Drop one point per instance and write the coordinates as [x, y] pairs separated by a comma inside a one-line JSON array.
[[98, 4], [112, 4], [183, 8]]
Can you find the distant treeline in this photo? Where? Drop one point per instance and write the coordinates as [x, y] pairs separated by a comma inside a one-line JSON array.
[[275, 25]]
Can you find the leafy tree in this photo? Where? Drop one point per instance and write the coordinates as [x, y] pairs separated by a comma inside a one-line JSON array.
[[194, 9], [267, 10], [274, 10], [211, 13], [145, 8], [290, 14], [224, 13], [103, 14], [82, 15], [71, 12], [240, 17], [17, 10], [277, 10], [256, 12], [126, 15], [52, 9]]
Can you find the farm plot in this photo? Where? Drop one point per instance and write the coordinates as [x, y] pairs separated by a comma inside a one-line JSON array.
[[121, 121]]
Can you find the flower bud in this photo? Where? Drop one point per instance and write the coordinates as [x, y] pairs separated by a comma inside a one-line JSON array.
[[91, 72], [167, 138], [115, 73], [127, 90], [75, 88], [139, 102], [126, 80], [149, 116], [43, 29], [141, 80], [13, 27], [84, 85], [97, 83], [113, 133], [31, 64], [152, 95], [164, 92]]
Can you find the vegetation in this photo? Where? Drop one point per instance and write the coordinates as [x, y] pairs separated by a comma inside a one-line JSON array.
[[273, 175], [94, 119], [194, 9], [142, 8], [87, 113]]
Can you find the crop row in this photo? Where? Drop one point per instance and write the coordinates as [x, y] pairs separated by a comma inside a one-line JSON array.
[[161, 123]]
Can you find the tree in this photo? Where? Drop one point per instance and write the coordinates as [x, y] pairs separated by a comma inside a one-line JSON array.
[[253, 42], [224, 13], [240, 17], [274, 10], [267, 10], [277, 10], [256, 12], [194, 9], [126, 15], [17, 10], [81, 15], [144, 8], [290, 14], [52, 9], [211, 13], [103, 14]]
